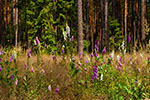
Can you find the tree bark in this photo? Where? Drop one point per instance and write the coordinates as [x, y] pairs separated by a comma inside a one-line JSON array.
[[91, 23], [133, 24], [80, 34], [125, 21], [87, 21], [106, 24], [142, 19], [102, 22]]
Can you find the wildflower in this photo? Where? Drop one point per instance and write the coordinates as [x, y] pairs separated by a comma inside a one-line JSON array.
[[95, 54], [67, 30], [148, 58], [32, 70], [0, 68], [0, 52], [53, 52], [86, 61], [11, 58], [25, 66], [92, 54], [53, 57], [14, 54], [95, 72], [49, 88], [129, 39], [109, 60], [79, 64], [62, 51], [0, 60], [141, 55], [76, 67], [121, 59], [81, 58], [72, 38], [119, 68], [29, 53], [80, 53], [120, 64], [57, 90], [12, 77], [37, 41], [65, 34], [85, 69], [16, 82], [43, 71], [101, 77], [104, 50], [96, 45], [118, 58], [139, 70], [112, 55]]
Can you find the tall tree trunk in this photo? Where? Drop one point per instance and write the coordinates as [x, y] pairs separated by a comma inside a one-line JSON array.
[[1, 22], [121, 10], [106, 24], [114, 8], [87, 21], [102, 22], [80, 34], [133, 24], [125, 21], [91, 24], [100, 29], [16, 24], [142, 21]]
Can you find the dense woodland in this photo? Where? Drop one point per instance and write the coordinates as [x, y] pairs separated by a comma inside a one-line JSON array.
[[109, 21]]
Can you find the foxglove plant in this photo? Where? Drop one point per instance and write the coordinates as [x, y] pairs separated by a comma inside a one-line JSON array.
[[0, 68], [96, 45], [95, 72], [129, 39], [12, 77], [11, 58], [57, 90]]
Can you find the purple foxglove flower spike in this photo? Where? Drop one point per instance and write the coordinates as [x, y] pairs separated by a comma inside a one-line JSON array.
[[53, 52], [95, 72], [72, 38], [85, 69], [25, 66], [37, 41], [62, 51], [11, 58], [0, 68], [92, 54], [148, 58], [95, 54], [79, 64], [86, 61], [29, 53], [104, 51], [57, 90], [53, 57], [0, 60], [129, 39], [12, 77], [43, 71], [32, 70], [96, 45]]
